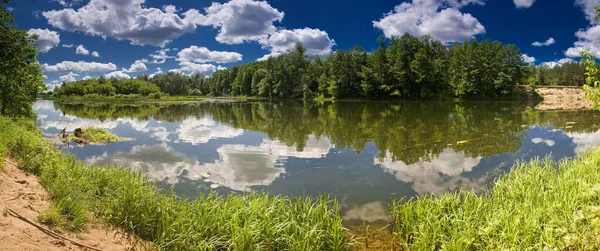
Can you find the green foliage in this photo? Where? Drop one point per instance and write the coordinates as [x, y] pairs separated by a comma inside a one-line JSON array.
[[567, 74], [485, 70], [409, 68], [20, 73], [155, 95], [592, 73], [210, 222], [540, 205], [95, 135], [93, 88], [176, 83]]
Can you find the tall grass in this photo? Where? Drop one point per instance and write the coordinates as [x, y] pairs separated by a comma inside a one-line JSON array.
[[540, 205], [210, 222]]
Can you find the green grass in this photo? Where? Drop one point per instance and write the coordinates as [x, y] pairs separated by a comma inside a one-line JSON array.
[[95, 135], [540, 205], [255, 221]]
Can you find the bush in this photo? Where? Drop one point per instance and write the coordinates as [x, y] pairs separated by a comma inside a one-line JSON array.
[[93, 95], [195, 92], [154, 95]]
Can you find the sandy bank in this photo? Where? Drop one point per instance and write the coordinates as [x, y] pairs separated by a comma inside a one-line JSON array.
[[23, 193], [562, 98]]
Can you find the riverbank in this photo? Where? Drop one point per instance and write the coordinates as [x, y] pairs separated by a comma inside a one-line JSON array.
[[541, 205], [210, 222], [562, 98], [23, 193]]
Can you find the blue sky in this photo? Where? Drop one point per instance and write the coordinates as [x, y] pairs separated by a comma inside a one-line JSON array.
[[125, 38]]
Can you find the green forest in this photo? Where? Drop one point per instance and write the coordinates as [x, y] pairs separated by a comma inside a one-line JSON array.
[[407, 67]]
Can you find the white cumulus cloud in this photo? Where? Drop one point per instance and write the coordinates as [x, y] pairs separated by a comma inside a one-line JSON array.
[[528, 59], [117, 74], [125, 20], [315, 41], [67, 3], [80, 66], [137, 66], [587, 38], [433, 17], [193, 68], [588, 7], [70, 77], [204, 55], [46, 39], [553, 64], [160, 56], [523, 3], [67, 45], [548, 42], [241, 20], [82, 50], [95, 54]]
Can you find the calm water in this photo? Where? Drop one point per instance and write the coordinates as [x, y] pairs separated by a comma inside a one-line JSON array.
[[363, 153]]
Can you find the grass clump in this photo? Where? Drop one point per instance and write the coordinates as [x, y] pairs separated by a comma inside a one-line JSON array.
[[255, 221], [539, 205], [52, 218], [93, 135]]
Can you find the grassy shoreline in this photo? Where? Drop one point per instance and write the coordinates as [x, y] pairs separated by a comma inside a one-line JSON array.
[[539, 205], [128, 201]]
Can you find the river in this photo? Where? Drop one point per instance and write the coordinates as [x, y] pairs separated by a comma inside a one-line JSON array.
[[362, 153]]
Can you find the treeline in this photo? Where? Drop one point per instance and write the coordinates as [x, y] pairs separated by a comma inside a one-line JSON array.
[[170, 83], [104, 87], [405, 68], [567, 74]]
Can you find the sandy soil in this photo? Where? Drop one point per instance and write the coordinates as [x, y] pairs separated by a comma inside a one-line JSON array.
[[22, 192], [563, 99]]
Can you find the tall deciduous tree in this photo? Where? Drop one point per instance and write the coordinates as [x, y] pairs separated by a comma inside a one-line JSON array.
[[21, 78]]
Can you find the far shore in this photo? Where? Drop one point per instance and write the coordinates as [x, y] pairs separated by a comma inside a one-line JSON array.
[[553, 98], [562, 98]]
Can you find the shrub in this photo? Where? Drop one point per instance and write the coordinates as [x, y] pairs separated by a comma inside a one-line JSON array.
[[154, 95]]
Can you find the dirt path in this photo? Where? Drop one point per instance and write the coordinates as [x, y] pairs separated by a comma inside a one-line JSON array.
[[23, 193], [557, 98]]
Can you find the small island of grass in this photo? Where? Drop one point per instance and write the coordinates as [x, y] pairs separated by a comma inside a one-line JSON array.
[[90, 135]]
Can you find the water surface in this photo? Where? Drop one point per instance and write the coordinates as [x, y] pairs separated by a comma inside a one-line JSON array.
[[363, 153]]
